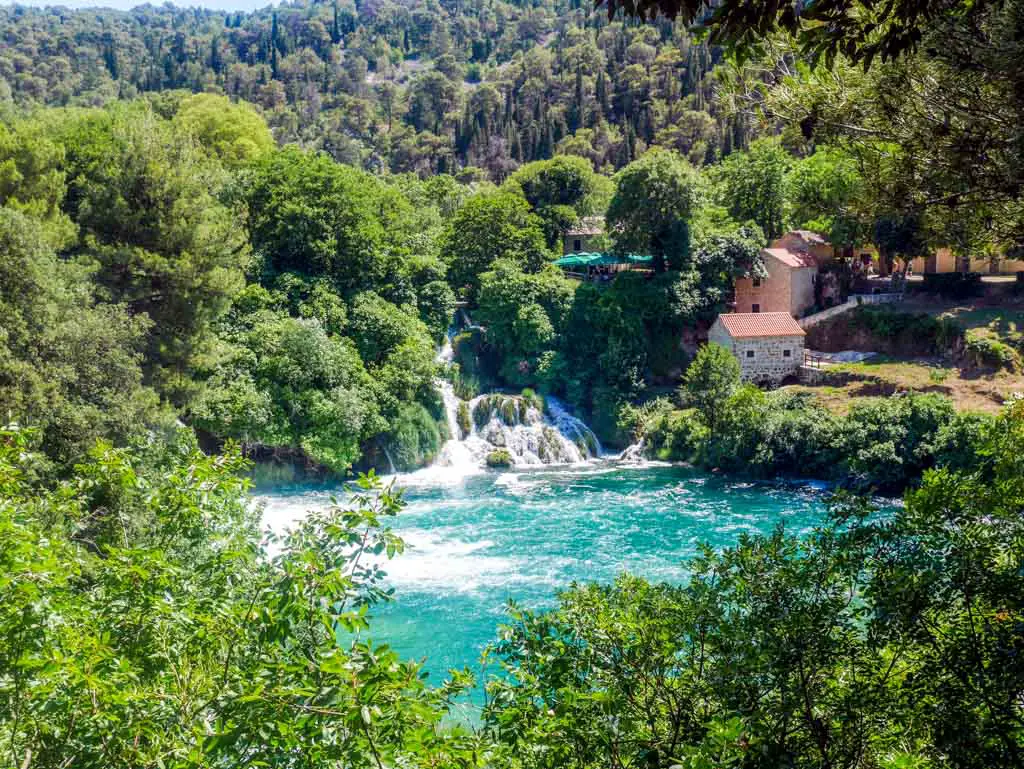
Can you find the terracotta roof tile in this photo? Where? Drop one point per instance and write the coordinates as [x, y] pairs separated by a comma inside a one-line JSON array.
[[790, 258], [743, 325]]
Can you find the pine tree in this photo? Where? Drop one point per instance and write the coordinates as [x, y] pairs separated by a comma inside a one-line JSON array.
[[216, 63], [578, 113], [601, 92]]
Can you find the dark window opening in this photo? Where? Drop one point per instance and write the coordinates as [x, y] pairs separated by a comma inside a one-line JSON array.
[[750, 353], [577, 246], [755, 308], [787, 353], [757, 282]]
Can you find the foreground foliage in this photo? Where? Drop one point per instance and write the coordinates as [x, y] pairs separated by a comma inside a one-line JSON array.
[[882, 640], [143, 622]]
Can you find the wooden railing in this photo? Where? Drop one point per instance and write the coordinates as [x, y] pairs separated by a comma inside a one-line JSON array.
[[813, 359]]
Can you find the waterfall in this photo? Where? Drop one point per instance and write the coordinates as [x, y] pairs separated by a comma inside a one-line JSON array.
[[391, 463], [508, 423], [633, 454], [512, 424]]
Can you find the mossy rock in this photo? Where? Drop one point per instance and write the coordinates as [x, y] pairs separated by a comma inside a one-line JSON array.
[[482, 411], [499, 458], [464, 420]]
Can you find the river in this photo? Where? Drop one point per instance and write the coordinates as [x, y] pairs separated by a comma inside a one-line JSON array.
[[479, 538]]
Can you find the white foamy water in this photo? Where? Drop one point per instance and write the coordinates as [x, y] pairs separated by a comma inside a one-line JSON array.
[[476, 541], [510, 423]]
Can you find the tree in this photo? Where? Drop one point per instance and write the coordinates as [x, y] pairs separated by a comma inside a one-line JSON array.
[[750, 185], [164, 242], [286, 384], [710, 380], [654, 199], [898, 236], [234, 133], [70, 367], [854, 28], [311, 215], [722, 258], [522, 313], [821, 193], [491, 226], [560, 191]]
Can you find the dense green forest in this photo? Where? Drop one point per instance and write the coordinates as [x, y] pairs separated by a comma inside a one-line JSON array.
[[424, 87], [226, 237]]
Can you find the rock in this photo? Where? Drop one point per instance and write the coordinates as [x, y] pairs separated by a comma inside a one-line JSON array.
[[499, 458]]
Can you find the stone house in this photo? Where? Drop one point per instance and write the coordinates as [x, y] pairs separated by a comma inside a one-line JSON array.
[[807, 242], [583, 236], [768, 345], [789, 286]]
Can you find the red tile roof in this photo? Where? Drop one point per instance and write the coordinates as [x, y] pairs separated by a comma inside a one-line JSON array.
[[791, 258], [741, 325]]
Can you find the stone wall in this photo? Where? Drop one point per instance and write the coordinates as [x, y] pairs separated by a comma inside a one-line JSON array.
[[762, 359]]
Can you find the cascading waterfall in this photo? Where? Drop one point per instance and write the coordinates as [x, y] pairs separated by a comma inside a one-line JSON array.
[[511, 423], [515, 425]]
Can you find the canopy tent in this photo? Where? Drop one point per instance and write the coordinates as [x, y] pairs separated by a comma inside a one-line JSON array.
[[597, 260]]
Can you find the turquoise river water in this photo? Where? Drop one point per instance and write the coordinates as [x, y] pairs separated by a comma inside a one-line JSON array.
[[475, 541]]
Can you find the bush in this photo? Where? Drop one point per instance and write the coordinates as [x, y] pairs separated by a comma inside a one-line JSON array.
[[907, 332], [499, 458], [674, 435], [531, 399], [986, 352], [416, 438]]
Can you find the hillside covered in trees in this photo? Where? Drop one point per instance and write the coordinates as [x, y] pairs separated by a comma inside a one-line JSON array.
[[421, 86], [189, 280]]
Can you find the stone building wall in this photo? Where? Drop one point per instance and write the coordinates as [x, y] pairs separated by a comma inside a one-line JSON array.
[[586, 243], [772, 295], [801, 292], [769, 364]]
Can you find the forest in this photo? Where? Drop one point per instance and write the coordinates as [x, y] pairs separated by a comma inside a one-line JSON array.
[[421, 87], [233, 238]]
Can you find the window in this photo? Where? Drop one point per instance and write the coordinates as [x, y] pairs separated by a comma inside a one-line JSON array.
[[757, 283], [750, 353], [787, 353], [755, 308], [577, 246]]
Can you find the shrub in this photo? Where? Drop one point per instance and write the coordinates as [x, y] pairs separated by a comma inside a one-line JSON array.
[[907, 332], [986, 352], [530, 398], [416, 438], [499, 458], [674, 435]]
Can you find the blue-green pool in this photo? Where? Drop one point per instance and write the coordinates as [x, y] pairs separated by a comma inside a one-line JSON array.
[[475, 542]]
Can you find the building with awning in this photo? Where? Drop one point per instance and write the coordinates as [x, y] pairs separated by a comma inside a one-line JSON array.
[[584, 261]]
